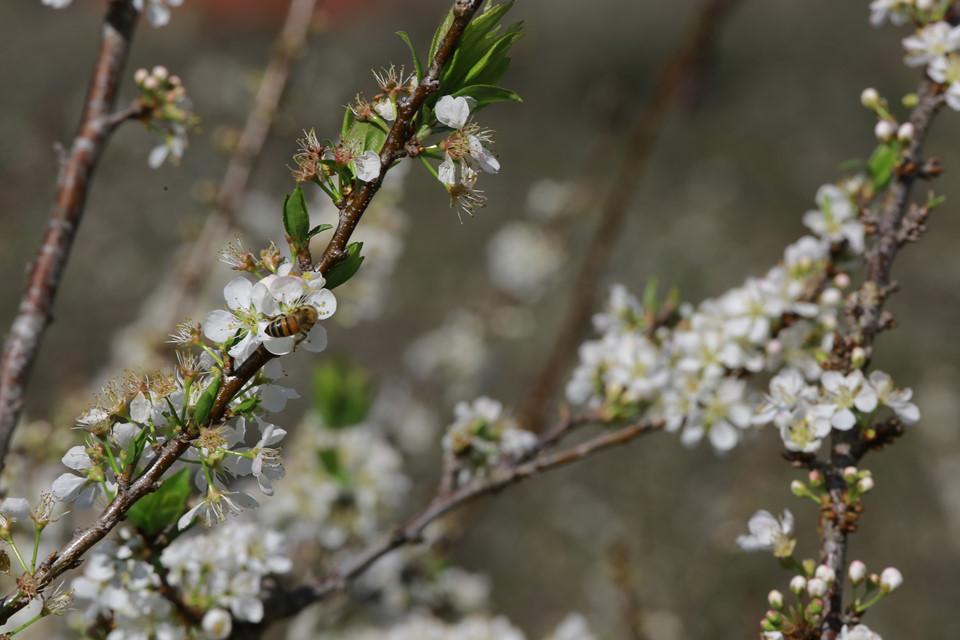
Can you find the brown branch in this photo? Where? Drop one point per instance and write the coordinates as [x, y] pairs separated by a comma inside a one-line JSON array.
[[288, 603], [686, 63], [154, 546], [73, 183], [865, 320]]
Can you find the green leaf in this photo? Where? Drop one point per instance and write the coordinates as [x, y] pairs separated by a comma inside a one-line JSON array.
[[438, 36], [366, 136], [342, 394], [345, 269], [481, 56], [882, 163], [156, 511], [413, 53], [320, 228], [348, 119], [650, 300], [296, 220], [487, 94], [330, 461], [201, 410]]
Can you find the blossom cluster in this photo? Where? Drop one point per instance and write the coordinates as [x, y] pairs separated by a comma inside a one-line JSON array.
[[790, 620], [806, 413], [477, 627], [690, 371], [215, 572], [156, 11], [482, 435], [464, 153], [166, 110]]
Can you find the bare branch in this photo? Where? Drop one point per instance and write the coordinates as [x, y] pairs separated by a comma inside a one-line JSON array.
[[685, 65], [73, 183]]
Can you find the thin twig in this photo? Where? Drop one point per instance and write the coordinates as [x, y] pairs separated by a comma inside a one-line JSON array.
[[686, 63], [288, 603], [73, 184]]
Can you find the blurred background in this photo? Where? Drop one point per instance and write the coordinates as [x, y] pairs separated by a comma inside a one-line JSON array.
[[723, 192]]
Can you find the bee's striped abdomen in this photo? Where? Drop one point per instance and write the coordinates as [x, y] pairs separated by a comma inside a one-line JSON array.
[[283, 327]]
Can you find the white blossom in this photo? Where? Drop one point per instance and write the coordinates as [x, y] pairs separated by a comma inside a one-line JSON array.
[[844, 393], [932, 41], [835, 218], [767, 532], [859, 632]]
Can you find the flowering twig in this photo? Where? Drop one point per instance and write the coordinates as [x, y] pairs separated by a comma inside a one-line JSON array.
[[288, 603], [675, 76], [73, 184], [237, 377], [854, 343], [400, 134]]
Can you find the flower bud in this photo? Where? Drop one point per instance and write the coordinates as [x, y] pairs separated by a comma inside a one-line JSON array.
[[857, 572], [841, 280], [798, 489], [885, 130], [160, 72], [798, 584], [870, 98], [217, 624], [140, 76], [865, 484], [774, 347], [857, 357], [850, 474], [906, 132], [830, 297], [775, 598], [925, 5], [816, 478], [826, 573], [816, 587], [890, 579]]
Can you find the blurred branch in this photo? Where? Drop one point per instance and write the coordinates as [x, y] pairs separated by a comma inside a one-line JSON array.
[[618, 557], [73, 183], [865, 320], [188, 278], [673, 83], [284, 604]]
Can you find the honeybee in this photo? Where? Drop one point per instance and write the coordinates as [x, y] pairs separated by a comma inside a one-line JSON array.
[[297, 322]]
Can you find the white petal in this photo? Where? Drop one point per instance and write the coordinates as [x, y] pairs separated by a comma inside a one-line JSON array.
[[124, 433], [140, 409], [288, 289], [453, 112], [447, 172], [219, 325], [843, 420], [487, 161], [368, 166], [187, 518], [77, 459], [67, 487], [237, 293], [279, 346], [15, 508], [324, 301], [157, 156], [316, 340], [723, 436]]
